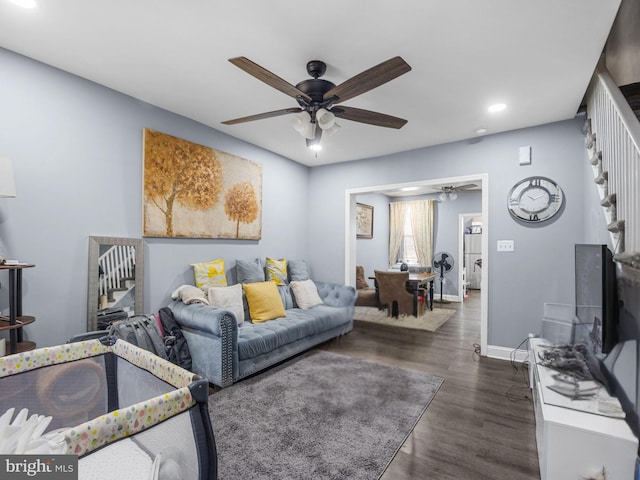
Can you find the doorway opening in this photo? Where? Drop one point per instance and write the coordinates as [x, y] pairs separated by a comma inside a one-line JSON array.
[[350, 237]]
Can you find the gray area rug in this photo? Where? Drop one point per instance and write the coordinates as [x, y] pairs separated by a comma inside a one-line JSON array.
[[319, 416]]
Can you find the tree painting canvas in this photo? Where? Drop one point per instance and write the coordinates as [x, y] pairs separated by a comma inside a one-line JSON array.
[[194, 191]]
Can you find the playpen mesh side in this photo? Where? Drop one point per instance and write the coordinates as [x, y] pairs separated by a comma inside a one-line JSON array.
[[71, 392], [171, 444]]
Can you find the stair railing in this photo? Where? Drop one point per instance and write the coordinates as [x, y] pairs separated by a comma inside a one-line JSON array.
[[613, 138], [116, 264]]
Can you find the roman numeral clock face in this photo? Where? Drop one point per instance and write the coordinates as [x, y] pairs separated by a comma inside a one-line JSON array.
[[535, 199]]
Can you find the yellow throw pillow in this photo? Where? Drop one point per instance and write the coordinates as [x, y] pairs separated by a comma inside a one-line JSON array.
[[277, 271], [264, 301], [209, 274]]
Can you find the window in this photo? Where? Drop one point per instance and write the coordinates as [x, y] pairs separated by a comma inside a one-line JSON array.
[[407, 251]]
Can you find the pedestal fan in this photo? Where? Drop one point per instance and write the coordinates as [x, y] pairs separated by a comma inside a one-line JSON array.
[[442, 263]]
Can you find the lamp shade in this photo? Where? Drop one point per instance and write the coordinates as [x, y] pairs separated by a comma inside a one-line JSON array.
[[7, 181]]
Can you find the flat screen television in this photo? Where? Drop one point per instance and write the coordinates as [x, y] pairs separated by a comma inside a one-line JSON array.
[[596, 294]]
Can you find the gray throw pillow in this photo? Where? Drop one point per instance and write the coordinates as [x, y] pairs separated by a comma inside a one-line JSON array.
[[298, 270], [250, 271]]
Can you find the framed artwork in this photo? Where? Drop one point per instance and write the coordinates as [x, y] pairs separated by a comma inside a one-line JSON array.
[[364, 221], [194, 191]]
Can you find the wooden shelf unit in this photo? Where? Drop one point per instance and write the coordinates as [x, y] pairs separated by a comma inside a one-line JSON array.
[[15, 322]]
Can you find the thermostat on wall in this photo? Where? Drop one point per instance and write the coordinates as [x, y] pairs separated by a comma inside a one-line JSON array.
[[525, 155]]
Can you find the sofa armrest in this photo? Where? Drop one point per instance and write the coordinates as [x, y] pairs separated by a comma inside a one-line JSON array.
[[199, 316], [336, 294], [212, 336]]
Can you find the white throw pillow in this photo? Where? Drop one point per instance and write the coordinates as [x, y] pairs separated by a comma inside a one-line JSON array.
[[306, 294], [229, 298]]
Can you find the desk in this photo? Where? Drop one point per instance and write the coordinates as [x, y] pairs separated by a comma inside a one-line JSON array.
[[416, 280]]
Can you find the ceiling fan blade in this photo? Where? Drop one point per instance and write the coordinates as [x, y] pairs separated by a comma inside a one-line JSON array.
[[465, 187], [267, 77], [260, 116], [368, 80], [367, 116]]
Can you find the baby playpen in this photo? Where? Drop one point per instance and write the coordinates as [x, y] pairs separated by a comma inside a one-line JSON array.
[[124, 412]]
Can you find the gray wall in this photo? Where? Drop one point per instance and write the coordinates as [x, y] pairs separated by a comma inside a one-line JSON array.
[[373, 253], [77, 154], [541, 268], [77, 148]]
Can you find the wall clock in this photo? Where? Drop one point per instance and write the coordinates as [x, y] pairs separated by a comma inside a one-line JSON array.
[[535, 199]]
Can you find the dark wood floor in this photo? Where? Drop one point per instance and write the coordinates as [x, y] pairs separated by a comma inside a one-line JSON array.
[[480, 424]]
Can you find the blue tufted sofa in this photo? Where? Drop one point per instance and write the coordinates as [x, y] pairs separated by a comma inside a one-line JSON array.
[[225, 352]]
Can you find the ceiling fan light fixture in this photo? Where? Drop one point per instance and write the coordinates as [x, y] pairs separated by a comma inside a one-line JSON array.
[[453, 195], [300, 121], [443, 197], [314, 144], [325, 119], [333, 129], [309, 130]]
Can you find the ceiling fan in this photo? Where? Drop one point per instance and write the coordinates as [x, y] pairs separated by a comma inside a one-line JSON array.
[[318, 99], [449, 191]]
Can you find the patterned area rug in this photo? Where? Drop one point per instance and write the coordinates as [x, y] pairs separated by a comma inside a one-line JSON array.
[[321, 415], [431, 320]]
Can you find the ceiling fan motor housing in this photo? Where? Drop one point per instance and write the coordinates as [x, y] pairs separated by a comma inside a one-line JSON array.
[[315, 88]]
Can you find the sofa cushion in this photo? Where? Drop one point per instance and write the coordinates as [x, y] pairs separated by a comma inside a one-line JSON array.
[[276, 271], [298, 270], [263, 338], [229, 298], [209, 274], [264, 301], [249, 271], [287, 297], [306, 294]]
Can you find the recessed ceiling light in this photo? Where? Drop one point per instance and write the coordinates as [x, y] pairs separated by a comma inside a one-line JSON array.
[[408, 189], [480, 131], [497, 107]]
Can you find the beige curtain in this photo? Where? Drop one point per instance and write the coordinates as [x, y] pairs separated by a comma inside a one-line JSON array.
[[422, 227], [397, 216]]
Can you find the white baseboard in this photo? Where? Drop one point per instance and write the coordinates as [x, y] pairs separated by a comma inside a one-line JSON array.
[[509, 354]]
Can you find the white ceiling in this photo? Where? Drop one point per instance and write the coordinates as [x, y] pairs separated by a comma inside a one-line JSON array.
[[535, 56]]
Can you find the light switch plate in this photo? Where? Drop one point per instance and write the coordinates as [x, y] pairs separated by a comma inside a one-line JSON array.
[[505, 246], [525, 155]]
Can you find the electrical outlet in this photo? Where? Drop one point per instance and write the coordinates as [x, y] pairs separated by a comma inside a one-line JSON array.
[[505, 246]]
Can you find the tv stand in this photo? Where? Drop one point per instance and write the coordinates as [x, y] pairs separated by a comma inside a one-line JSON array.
[[574, 443]]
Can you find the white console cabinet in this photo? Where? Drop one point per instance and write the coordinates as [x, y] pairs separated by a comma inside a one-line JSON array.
[[574, 444]]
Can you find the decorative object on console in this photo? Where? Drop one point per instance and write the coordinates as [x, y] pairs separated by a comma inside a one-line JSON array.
[[195, 191], [317, 97], [535, 199], [210, 274], [364, 221]]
